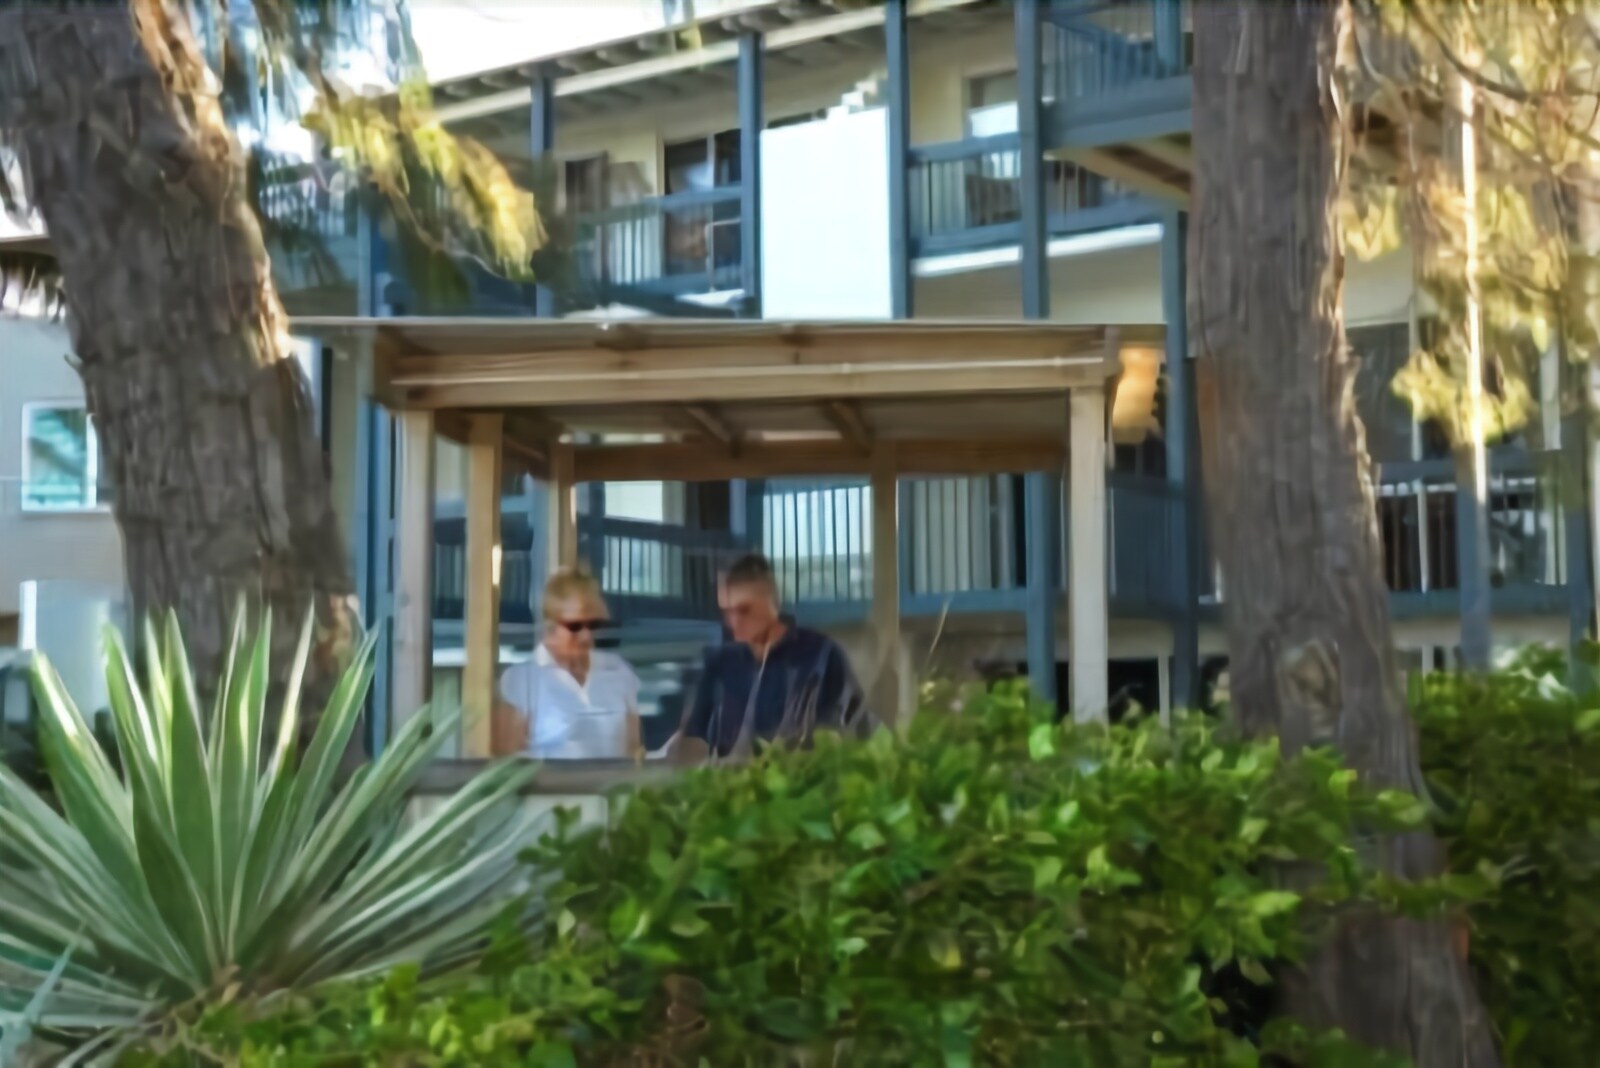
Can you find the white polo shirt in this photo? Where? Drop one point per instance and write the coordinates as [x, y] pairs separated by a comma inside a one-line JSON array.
[[572, 720]]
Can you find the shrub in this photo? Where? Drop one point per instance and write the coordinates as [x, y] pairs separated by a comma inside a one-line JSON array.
[[994, 889], [1513, 762], [218, 865]]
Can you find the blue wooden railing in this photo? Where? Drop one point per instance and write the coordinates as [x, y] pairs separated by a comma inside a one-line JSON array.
[[966, 195], [960, 549], [1528, 495], [1097, 48]]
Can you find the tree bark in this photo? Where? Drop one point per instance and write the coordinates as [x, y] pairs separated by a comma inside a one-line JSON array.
[[1310, 654], [203, 417]]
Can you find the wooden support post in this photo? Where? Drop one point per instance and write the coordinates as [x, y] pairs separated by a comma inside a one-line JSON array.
[[413, 596], [1086, 584], [484, 437], [562, 514], [886, 690]]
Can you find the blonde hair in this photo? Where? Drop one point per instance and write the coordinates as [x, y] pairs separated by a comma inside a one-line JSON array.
[[565, 584]]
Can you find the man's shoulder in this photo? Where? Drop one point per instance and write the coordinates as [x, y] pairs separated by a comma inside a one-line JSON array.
[[814, 641]]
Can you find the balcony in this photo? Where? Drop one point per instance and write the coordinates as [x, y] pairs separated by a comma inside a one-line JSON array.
[[966, 195], [1118, 75], [662, 252], [1528, 496], [314, 244]]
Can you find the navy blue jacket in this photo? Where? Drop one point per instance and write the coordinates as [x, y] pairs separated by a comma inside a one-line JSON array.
[[806, 682]]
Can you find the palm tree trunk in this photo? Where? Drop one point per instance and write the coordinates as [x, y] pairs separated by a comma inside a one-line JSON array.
[[204, 419], [1309, 645]]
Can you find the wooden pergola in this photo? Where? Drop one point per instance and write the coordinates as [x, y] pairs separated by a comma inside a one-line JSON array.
[[714, 400]]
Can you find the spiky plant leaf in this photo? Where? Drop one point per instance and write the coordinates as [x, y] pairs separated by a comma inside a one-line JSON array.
[[217, 861]]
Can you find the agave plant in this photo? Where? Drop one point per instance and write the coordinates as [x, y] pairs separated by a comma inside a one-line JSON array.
[[221, 863]]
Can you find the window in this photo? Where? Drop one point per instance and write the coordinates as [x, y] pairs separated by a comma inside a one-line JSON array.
[[992, 104], [61, 470]]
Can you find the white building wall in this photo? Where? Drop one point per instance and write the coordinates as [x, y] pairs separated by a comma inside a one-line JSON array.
[[84, 546]]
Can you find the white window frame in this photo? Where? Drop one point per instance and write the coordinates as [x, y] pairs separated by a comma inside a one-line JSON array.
[[94, 505]]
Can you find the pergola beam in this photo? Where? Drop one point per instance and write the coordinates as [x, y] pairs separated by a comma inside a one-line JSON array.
[[707, 420], [852, 426], [698, 462]]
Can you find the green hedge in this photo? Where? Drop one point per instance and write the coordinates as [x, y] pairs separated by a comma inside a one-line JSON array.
[[1513, 763], [992, 890]]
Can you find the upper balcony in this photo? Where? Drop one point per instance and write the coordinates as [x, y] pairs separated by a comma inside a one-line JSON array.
[[1119, 85]]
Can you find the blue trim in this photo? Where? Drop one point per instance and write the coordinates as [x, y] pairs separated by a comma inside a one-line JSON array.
[[1513, 459], [964, 149], [1128, 211], [1133, 211], [1141, 112], [972, 239], [897, 54], [750, 126], [1519, 600]]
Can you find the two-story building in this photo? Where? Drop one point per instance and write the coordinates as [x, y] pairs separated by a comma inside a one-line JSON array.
[[918, 159]]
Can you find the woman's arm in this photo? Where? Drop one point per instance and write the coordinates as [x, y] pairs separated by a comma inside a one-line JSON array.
[[510, 724], [634, 732]]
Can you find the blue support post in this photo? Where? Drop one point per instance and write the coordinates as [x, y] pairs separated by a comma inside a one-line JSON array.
[[1182, 442], [1042, 493], [1472, 555], [751, 123], [541, 143], [1169, 35], [898, 91], [372, 528], [1574, 495]]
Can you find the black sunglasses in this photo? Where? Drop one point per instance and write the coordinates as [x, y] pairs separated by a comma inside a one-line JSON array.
[[578, 626]]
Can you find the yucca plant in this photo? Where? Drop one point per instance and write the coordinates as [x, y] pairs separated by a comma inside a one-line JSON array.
[[220, 863]]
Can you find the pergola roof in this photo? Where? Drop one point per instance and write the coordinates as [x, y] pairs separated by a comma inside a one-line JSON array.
[[714, 399]]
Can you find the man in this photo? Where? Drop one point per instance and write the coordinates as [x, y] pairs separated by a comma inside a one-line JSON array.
[[570, 701], [774, 681]]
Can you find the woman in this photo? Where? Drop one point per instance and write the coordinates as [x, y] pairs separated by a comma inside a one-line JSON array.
[[570, 701]]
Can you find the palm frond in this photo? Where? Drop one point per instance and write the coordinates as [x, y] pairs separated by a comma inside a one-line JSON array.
[[450, 192], [30, 278]]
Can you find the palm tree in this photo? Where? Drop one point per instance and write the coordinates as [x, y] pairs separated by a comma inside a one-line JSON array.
[[1310, 653], [124, 120]]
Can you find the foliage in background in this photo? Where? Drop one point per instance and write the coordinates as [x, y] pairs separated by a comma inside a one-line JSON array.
[[995, 889], [350, 72], [220, 864], [1532, 72], [1513, 762]]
